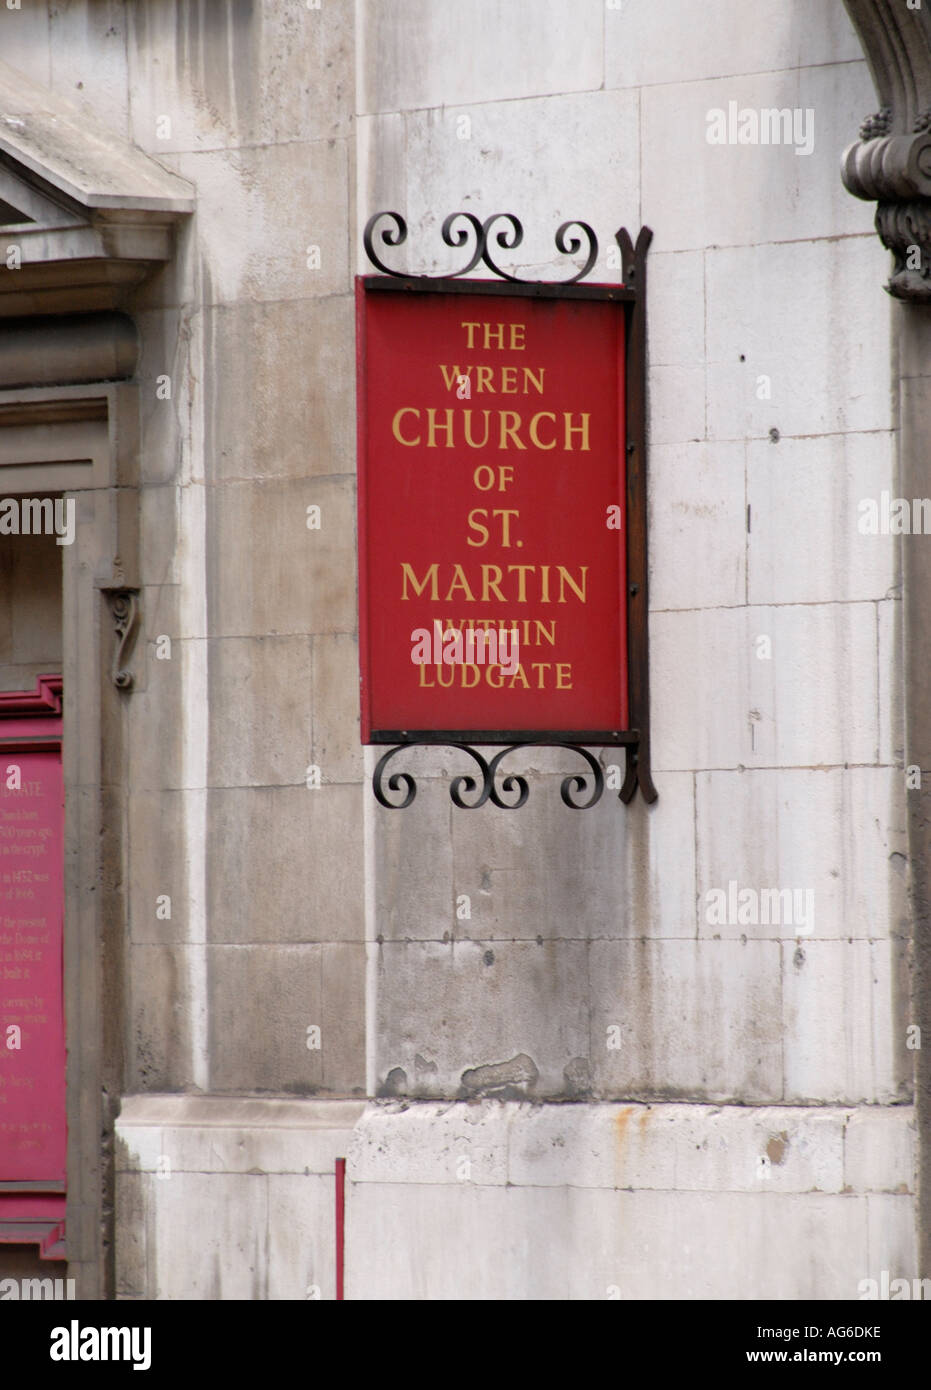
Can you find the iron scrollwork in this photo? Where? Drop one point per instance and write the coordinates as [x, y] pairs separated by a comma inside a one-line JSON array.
[[506, 238], [509, 796]]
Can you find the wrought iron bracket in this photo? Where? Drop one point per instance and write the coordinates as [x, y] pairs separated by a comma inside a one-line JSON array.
[[466, 790], [513, 785], [507, 238], [126, 612]]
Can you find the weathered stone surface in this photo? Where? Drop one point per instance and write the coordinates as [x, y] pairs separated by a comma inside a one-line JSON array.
[[827, 837], [257, 430], [337, 750], [715, 195], [252, 677], [686, 1018], [163, 992], [238, 75], [283, 867], [269, 573], [259, 209], [412, 53], [262, 1001], [843, 1003], [468, 1004], [768, 39]]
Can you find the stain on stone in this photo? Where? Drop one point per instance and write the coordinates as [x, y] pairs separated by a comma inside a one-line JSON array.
[[488, 958], [394, 1084], [899, 862], [485, 882], [424, 1067], [777, 1146], [501, 1079], [578, 1077], [620, 1125], [798, 960]]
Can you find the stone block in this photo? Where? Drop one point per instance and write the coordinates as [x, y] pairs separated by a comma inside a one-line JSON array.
[[688, 1245], [263, 999], [285, 865], [260, 209], [457, 1242], [805, 544], [696, 44], [158, 823], [336, 748], [210, 1234], [268, 573], [880, 1150], [441, 173], [892, 1251], [165, 985], [614, 870], [499, 1020], [830, 838], [429, 1143], [795, 314], [676, 299], [700, 194], [256, 429], [301, 1237], [230, 75], [132, 1272], [891, 696], [86, 48], [842, 1002], [260, 730], [674, 1019], [698, 526], [794, 685], [412, 52], [677, 405]]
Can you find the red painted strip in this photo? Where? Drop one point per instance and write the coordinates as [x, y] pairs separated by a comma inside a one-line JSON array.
[[340, 1225]]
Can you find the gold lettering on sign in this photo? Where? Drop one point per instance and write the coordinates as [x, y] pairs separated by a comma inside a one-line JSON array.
[[490, 579], [446, 429]]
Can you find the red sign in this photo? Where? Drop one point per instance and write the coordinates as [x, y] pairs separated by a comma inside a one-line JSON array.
[[491, 506], [33, 1131]]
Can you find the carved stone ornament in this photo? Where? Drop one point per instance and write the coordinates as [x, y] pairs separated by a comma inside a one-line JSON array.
[[891, 162], [125, 610]]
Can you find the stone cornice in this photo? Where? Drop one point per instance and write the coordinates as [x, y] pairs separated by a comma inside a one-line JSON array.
[[85, 216], [891, 162]]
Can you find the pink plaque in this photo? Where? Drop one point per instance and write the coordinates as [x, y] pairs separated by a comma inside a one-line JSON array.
[[33, 1129]]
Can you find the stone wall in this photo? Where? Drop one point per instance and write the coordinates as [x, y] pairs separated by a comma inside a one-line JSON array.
[[590, 1086]]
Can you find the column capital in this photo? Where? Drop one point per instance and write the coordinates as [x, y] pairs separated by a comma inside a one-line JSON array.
[[891, 162]]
